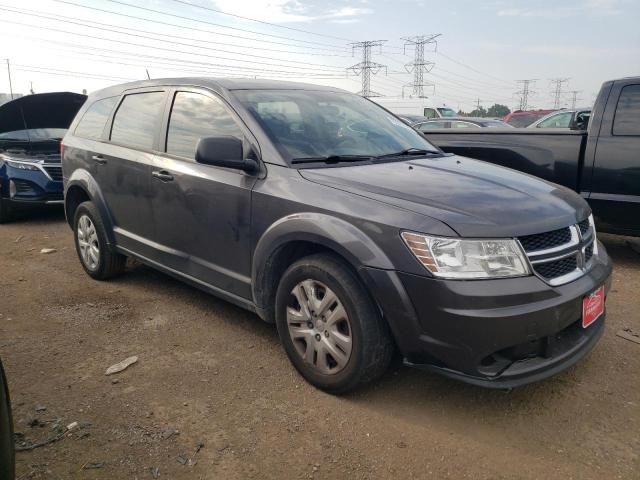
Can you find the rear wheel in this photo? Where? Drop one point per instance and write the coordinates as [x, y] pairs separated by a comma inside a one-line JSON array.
[[97, 258], [330, 328]]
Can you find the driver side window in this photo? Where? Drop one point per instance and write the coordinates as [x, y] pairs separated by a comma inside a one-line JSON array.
[[195, 116]]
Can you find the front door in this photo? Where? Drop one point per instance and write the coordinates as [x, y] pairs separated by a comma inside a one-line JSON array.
[[202, 213], [615, 184]]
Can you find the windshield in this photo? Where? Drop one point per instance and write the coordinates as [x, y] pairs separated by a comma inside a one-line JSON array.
[[319, 124], [34, 134], [447, 112]]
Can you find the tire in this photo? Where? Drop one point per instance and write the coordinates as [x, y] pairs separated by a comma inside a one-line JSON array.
[[344, 348], [5, 211], [7, 452], [102, 262]]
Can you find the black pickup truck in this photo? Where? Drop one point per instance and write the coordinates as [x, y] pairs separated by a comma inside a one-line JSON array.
[[601, 163]]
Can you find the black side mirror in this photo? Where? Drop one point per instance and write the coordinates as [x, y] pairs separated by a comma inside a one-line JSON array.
[[224, 152]]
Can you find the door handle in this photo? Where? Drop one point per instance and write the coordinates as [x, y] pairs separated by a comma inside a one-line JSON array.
[[162, 175], [99, 159]]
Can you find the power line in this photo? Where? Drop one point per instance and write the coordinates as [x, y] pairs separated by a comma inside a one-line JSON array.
[[177, 51], [256, 20], [91, 23], [526, 92], [557, 91], [195, 29], [419, 65], [366, 67], [440, 53], [215, 24], [154, 59]]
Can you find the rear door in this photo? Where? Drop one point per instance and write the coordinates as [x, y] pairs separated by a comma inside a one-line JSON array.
[[202, 213], [615, 182], [124, 167]]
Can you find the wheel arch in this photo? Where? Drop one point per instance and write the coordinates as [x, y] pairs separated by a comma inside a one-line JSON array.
[[299, 235], [82, 187]]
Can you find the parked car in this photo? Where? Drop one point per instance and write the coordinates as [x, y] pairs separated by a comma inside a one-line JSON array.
[[31, 128], [7, 449], [601, 164], [524, 118], [439, 112], [575, 119], [328, 216], [460, 122]]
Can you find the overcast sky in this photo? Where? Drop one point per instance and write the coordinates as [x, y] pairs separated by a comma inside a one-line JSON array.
[[484, 47]]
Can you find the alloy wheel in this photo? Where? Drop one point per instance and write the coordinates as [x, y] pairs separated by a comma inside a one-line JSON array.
[[88, 243]]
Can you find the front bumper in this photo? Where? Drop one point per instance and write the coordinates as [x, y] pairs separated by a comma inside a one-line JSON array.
[[32, 188], [498, 333]]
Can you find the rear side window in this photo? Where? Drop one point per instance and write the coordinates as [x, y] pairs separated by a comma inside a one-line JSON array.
[[138, 119], [195, 116], [627, 119], [423, 127], [95, 118]]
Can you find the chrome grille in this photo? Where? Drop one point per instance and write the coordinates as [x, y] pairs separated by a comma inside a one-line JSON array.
[[584, 226], [562, 255]]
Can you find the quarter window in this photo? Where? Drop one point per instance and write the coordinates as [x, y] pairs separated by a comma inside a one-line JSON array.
[[95, 118], [137, 119], [195, 116], [627, 119]]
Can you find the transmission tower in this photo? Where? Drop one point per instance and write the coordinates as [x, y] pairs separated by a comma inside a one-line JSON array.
[[366, 67], [557, 90], [574, 97], [526, 92], [419, 66]]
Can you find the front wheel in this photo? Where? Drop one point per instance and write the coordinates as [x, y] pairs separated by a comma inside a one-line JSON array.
[[96, 257], [330, 328]]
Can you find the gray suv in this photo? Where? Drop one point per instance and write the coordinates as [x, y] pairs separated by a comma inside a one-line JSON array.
[[327, 215]]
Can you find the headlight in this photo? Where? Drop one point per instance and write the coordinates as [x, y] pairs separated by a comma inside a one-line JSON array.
[[468, 259], [22, 165]]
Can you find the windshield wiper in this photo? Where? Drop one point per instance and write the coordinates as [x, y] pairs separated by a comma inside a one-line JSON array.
[[332, 159], [410, 151]]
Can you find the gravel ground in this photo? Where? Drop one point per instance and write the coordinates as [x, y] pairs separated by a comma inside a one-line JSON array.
[[213, 395]]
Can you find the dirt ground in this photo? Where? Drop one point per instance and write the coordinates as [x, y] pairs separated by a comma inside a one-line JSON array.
[[214, 375]]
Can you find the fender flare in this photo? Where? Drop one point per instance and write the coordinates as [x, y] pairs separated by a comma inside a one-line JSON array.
[[328, 231], [83, 179]]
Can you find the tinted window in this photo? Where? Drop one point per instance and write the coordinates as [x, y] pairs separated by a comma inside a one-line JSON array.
[[137, 119], [195, 116], [627, 119], [95, 118]]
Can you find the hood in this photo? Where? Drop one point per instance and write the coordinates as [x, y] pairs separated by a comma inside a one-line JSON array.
[[44, 110], [474, 198]]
